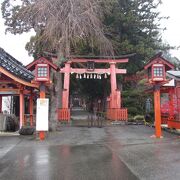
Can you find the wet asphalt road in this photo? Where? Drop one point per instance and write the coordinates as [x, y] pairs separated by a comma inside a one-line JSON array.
[[80, 153]]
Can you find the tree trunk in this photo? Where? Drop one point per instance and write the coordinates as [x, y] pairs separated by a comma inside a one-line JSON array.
[[55, 97], [55, 100]]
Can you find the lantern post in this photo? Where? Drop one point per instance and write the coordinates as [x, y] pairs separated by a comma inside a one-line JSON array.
[[157, 67], [42, 76], [41, 68], [157, 111]]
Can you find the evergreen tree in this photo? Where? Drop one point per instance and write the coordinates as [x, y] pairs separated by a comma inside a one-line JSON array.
[[133, 26]]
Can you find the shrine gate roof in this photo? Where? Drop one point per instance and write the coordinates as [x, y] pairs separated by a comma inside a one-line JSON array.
[[14, 67]]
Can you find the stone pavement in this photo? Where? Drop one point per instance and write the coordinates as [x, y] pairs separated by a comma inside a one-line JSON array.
[[109, 153], [82, 118]]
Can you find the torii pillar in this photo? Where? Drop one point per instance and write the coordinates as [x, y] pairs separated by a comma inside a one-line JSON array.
[[64, 112], [65, 97], [115, 97]]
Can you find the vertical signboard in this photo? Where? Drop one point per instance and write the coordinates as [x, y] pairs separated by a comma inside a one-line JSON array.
[[42, 114]]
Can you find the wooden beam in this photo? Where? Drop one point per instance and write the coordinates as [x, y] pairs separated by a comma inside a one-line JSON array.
[[7, 81], [97, 71], [79, 60], [13, 91], [23, 82], [9, 91]]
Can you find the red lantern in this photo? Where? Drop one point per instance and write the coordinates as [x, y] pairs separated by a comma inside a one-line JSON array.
[[42, 72], [158, 72]]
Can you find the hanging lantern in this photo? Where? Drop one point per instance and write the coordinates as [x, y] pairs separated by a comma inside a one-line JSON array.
[[80, 77], [94, 76], [77, 76], [87, 76], [105, 76], [100, 76], [84, 75], [91, 76]]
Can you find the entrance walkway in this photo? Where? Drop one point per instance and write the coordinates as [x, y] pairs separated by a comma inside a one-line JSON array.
[[81, 117], [78, 113]]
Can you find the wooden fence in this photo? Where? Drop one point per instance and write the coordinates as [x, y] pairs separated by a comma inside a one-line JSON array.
[[117, 114], [64, 114]]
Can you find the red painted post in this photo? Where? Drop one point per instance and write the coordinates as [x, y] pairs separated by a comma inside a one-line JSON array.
[[21, 114], [113, 84], [171, 104], [118, 92], [0, 103], [157, 110], [65, 103], [31, 109], [113, 76], [42, 96]]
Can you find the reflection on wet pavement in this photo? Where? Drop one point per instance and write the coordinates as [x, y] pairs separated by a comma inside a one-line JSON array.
[[120, 152], [64, 162]]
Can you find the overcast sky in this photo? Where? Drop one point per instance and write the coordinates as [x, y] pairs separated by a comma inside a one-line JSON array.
[[15, 44]]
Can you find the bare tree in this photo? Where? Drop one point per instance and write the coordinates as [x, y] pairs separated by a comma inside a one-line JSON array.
[[63, 23]]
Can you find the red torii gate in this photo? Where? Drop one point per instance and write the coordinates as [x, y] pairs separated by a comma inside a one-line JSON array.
[[115, 112]]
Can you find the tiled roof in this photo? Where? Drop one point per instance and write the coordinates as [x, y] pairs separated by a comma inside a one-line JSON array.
[[14, 66], [174, 73]]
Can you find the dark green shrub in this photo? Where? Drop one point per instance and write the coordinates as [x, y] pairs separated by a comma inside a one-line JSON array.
[[132, 111]]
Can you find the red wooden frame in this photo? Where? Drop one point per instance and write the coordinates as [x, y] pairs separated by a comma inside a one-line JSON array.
[[158, 78], [42, 78]]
